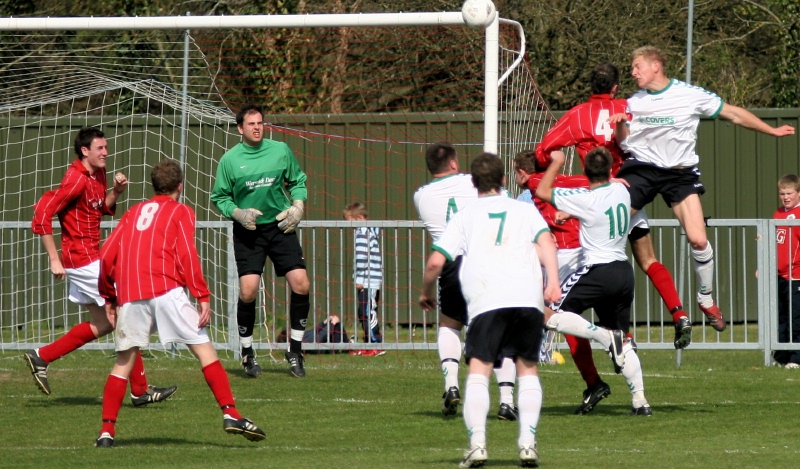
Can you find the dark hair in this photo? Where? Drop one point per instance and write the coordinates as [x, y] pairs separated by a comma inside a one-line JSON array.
[[166, 176], [85, 137], [487, 172], [603, 78], [355, 209], [597, 165], [438, 156], [526, 161], [248, 109]]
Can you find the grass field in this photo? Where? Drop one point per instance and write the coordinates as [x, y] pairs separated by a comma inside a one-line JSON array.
[[721, 409]]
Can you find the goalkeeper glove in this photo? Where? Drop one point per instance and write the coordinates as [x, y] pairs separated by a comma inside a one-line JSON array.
[[291, 217], [247, 217]]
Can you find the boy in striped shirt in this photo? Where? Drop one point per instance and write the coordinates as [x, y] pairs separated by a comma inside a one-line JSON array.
[[367, 275]]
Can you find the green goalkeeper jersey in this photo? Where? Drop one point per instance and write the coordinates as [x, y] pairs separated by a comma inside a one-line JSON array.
[[267, 178]]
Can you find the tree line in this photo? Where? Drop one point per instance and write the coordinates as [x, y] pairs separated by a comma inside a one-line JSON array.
[[747, 51]]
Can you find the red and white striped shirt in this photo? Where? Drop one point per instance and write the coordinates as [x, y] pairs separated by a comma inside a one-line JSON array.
[[586, 127], [567, 234], [80, 203], [151, 252]]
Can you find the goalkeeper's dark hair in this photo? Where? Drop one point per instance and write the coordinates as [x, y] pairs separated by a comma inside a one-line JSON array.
[[85, 137], [166, 177], [438, 156], [603, 78], [597, 165], [248, 109], [526, 161], [488, 172]]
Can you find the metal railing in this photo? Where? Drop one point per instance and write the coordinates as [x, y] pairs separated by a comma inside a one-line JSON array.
[[34, 309]]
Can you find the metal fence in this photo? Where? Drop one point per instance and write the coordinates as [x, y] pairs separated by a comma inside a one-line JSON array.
[[34, 309]]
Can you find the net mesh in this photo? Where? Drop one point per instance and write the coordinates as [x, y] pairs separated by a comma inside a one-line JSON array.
[[358, 121]]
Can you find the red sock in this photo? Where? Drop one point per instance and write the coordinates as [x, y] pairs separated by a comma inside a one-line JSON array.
[[113, 394], [72, 340], [138, 378], [217, 380], [662, 280], [581, 350]]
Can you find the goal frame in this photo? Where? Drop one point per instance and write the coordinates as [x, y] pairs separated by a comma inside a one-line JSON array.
[[492, 78]]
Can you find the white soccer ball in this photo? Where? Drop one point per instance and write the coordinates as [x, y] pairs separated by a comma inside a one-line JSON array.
[[478, 14]]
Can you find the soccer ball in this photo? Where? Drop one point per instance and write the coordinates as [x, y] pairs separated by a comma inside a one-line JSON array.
[[557, 359], [478, 14]]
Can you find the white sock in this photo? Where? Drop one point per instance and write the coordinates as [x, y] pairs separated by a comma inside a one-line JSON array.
[[566, 322], [296, 334], [448, 341], [506, 376], [704, 269], [530, 408], [632, 372], [246, 342], [476, 406]]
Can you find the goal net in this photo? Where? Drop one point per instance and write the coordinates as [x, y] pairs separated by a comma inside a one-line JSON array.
[[357, 105]]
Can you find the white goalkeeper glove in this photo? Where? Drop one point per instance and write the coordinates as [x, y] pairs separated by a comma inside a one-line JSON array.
[[246, 217], [291, 217]]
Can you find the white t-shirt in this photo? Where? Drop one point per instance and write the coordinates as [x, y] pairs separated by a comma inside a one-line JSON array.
[[663, 128], [605, 214], [500, 267], [441, 198]]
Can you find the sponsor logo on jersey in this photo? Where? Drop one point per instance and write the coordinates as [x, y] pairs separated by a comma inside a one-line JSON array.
[[658, 120], [263, 182]]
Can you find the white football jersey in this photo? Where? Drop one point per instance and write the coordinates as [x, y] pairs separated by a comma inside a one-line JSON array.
[[500, 267], [441, 198], [663, 125], [605, 214]]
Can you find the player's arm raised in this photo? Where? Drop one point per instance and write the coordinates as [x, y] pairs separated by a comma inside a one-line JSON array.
[[545, 189], [120, 183], [748, 120]]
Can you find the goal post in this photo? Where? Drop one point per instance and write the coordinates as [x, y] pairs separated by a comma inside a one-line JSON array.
[[167, 88]]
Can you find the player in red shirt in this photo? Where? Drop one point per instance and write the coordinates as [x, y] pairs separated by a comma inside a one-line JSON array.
[[146, 262], [586, 127], [788, 239], [80, 202]]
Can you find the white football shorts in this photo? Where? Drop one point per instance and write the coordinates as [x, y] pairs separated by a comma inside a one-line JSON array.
[[639, 220], [172, 315], [82, 285], [569, 260]]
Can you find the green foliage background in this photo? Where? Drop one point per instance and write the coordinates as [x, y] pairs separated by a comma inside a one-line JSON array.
[[747, 51]]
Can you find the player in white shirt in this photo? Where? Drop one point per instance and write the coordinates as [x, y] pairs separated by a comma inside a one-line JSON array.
[[436, 203], [501, 276], [659, 131], [605, 279]]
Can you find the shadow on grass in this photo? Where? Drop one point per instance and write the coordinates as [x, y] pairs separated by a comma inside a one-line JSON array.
[[620, 410], [65, 401], [161, 442]]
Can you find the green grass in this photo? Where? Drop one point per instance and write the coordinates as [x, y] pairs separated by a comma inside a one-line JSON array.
[[721, 409]]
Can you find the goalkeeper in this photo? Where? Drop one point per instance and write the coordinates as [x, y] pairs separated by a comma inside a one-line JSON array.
[[260, 186]]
